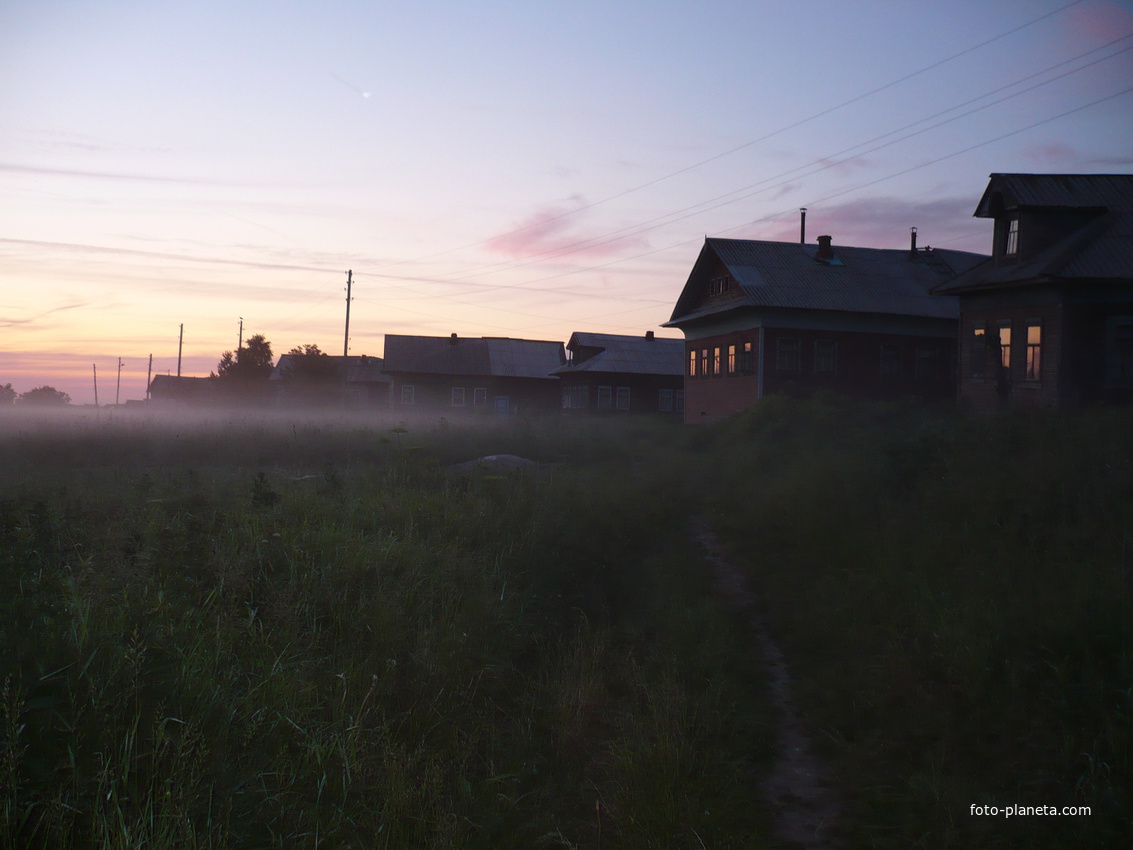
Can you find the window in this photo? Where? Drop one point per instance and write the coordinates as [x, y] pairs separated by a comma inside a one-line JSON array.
[[704, 361], [679, 400], [479, 396], [745, 361], [719, 286], [787, 355], [692, 363], [890, 360], [731, 359], [407, 394], [979, 351], [665, 401], [1119, 352], [458, 396], [825, 356], [575, 398], [1005, 344], [623, 398], [605, 398], [924, 364], [1011, 246], [1034, 349], [716, 361]]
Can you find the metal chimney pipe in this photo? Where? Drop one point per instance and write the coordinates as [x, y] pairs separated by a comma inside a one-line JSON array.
[[802, 225], [912, 241]]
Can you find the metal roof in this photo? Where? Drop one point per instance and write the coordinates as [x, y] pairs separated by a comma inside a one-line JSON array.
[[486, 356], [355, 368], [621, 354], [1100, 248], [859, 280], [1058, 191]]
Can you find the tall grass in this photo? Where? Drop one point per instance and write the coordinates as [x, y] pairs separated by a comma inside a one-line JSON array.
[[954, 596], [312, 635]]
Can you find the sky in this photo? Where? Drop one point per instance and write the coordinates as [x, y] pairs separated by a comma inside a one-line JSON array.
[[522, 169]]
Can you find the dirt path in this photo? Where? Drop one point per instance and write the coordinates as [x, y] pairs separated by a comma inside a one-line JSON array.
[[799, 786]]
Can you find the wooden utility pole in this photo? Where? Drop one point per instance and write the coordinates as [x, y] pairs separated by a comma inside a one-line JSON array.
[[180, 339], [346, 340], [94, 368], [118, 386], [240, 342], [149, 373]]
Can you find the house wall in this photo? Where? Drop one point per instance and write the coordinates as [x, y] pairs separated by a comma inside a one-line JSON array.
[[644, 392], [434, 394], [921, 365]]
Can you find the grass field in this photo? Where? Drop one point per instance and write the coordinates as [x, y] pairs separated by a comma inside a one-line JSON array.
[[253, 632]]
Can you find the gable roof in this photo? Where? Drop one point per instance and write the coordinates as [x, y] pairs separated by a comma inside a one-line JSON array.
[[499, 357], [787, 275], [1100, 248], [618, 353], [354, 369], [1056, 191]]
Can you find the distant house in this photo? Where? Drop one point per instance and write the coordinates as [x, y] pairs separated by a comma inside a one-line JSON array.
[[1048, 319], [763, 318], [323, 379], [177, 389], [492, 375], [616, 373]]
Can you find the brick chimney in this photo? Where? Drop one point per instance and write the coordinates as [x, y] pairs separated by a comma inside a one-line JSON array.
[[649, 335], [825, 252], [452, 340]]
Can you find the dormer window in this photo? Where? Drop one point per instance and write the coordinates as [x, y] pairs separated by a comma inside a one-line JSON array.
[[720, 286], [1011, 245]]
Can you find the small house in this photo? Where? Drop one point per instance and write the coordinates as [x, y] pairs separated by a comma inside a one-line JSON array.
[[488, 375], [324, 379], [622, 374]]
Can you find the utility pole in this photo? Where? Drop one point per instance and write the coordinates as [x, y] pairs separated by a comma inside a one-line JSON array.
[[118, 386], [149, 373], [240, 342], [346, 340], [94, 368], [180, 339]]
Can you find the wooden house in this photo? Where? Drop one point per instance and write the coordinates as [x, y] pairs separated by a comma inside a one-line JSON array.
[[490, 375], [324, 379], [181, 389], [614, 373], [1048, 319], [763, 318]]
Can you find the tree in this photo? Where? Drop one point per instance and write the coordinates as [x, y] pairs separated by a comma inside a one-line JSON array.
[[46, 397], [250, 363], [7, 395]]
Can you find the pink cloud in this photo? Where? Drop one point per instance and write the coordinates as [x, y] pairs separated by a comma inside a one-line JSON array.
[[1101, 20], [1050, 153], [550, 232]]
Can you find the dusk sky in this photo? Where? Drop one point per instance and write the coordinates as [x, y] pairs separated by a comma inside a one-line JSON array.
[[522, 169]]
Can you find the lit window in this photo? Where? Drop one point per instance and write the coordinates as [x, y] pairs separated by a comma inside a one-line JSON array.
[[623, 398], [458, 396], [979, 351], [692, 364], [704, 361], [1005, 344], [1034, 349], [716, 361], [605, 398], [731, 359]]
